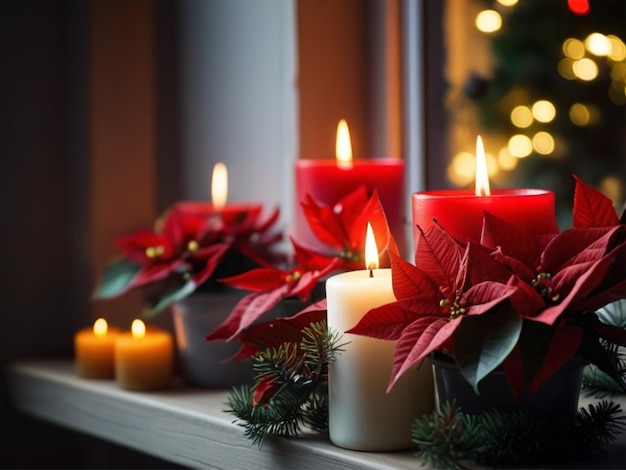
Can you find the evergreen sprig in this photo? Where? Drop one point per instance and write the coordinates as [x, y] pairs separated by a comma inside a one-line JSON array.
[[296, 375], [450, 438]]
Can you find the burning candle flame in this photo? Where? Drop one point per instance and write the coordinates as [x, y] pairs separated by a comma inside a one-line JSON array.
[[343, 146], [482, 179], [100, 328], [371, 250], [219, 186], [138, 329]]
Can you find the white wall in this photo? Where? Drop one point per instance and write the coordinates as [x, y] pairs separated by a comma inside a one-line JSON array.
[[239, 102]]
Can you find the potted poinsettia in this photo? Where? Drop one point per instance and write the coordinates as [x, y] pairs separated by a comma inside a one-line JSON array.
[[176, 266], [515, 304]]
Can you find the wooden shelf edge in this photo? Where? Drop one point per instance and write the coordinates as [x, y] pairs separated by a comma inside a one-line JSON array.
[[182, 425]]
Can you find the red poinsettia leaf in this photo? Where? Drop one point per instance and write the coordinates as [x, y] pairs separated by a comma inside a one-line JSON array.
[[591, 207], [258, 280], [510, 239], [155, 272], [484, 296], [310, 260], [303, 287], [350, 208], [418, 340], [563, 347], [516, 266], [135, 246], [213, 256], [613, 284], [264, 225], [373, 213], [264, 391], [576, 245], [514, 372], [409, 281], [389, 320], [526, 301], [477, 266], [324, 223], [439, 256], [247, 310], [276, 332]]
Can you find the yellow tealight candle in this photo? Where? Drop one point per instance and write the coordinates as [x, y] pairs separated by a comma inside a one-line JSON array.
[[144, 359], [94, 351]]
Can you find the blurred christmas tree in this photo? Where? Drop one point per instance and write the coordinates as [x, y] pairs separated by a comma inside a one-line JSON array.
[[555, 99]]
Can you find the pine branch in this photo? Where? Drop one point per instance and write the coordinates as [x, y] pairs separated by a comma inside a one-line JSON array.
[[292, 383], [449, 438]]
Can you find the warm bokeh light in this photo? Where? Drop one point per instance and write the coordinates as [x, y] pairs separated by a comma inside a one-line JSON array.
[[543, 143], [488, 21], [611, 187], [219, 186], [506, 161], [521, 117], [507, 3], [100, 327], [585, 69], [618, 48], [573, 49], [566, 69], [371, 250], [462, 168], [482, 179], [579, 114], [618, 72], [598, 44], [520, 146], [138, 329], [617, 93], [543, 111], [343, 145]]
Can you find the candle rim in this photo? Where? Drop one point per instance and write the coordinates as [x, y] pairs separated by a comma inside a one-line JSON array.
[[470, 193], [381, 161]]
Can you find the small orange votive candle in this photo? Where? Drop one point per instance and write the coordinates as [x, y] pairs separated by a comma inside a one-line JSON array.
[[144, 360], [94, 350]]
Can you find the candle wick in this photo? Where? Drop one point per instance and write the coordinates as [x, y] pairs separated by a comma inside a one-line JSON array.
[[371, 272]]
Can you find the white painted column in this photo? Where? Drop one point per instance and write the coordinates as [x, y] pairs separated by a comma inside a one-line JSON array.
[[238, 98]]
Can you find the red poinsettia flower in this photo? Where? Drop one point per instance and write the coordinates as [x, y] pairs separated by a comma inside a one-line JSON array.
[[575, 273], [184, 251], [269, 286], [451, 286], [341, 226]]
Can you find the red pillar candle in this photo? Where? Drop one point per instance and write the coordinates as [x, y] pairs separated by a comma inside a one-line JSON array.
[[460, 212], [328, 181], [230, 213]]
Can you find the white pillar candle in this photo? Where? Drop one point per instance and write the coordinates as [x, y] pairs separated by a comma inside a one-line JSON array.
[[362, 415]]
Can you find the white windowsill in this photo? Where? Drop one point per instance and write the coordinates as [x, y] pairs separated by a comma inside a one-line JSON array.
[[188, 426]]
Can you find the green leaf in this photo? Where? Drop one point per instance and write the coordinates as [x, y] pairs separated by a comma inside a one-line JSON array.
[[115, 278], [482, 342], [171, 294]]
